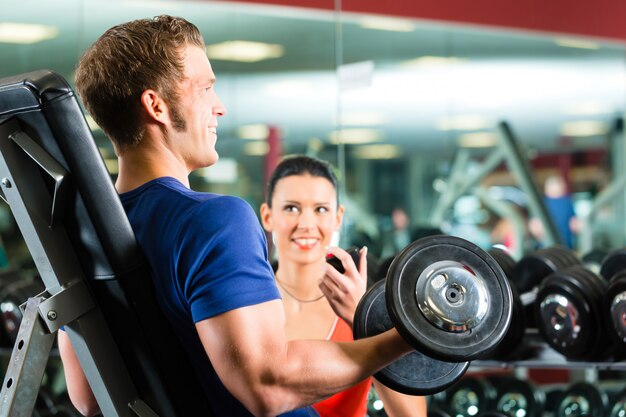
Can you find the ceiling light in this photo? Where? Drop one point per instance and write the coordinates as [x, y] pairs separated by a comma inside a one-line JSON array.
[[26, 33], [244, 51], [256, 148], [588, 108], [355, 75], [380, 151], [576, 43], [462, 122], [477, 140], [432, 61], [387, 23], [253, 132], [584, 128], [361, 118], [354, 136]]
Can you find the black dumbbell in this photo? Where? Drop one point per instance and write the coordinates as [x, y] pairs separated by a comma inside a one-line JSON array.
[[615, 304], [470, 397], [7, 279], [532, 269], [536, 265], [617, 405], [449, 299], [11, 297], [582, 399], [413, 374], [554, 396], [613, 263], [570, 313], [593, 259], [516, 397], [512, 343]]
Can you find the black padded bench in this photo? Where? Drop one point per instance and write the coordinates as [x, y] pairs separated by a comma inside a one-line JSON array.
[[97, 282]]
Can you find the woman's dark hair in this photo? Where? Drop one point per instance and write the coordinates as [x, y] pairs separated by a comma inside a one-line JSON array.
[[300, 165]]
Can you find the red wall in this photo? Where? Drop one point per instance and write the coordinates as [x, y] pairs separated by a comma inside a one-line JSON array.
[[596, 18]]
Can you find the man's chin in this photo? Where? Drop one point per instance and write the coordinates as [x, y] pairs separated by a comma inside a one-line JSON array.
[[212, 160]]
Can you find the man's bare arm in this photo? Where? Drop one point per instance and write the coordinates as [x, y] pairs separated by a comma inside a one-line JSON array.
[[271, 375], [77, 386]]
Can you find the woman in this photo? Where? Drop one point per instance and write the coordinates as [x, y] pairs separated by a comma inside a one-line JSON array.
[[302, 212]]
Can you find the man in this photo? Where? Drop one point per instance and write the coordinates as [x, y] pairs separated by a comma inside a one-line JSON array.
[[560, 207], [150, 86]]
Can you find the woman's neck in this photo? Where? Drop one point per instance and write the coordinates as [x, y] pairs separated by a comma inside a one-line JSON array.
[[300, 279]]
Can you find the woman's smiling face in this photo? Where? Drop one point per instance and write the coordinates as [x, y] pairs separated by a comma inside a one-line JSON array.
[[303, 217]]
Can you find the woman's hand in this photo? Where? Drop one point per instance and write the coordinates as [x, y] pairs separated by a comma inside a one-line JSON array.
[[344, 291]]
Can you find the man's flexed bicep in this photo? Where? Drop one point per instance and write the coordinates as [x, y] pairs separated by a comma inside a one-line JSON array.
[[270, 375], [243, 346]]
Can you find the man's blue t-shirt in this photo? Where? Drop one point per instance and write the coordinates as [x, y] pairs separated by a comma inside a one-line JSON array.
[[207, 255]]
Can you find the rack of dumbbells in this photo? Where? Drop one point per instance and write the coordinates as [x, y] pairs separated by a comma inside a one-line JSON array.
[[506, 396], [567, 313]]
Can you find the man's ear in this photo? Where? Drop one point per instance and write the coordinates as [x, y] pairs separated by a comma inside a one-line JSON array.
[[266, 217], [154, 106]]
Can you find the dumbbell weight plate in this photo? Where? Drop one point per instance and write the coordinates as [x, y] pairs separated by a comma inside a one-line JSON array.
[[582, 399], [568, 312], [11, 297], [537, 265], [413, 374], [617, 406], [613, 263], [554, 397], [515, 395], [448, 298], [593, 260], [514, 336], [616, 302], [470, 397], [506, 262], [563, 316], [618, 409]]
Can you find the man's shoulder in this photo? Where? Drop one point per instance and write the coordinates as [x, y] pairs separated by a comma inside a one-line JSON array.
[[219, 213], [170, 190], [226, 205]]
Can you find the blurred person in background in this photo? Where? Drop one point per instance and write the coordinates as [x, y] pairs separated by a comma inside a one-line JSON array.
[[560, 207]]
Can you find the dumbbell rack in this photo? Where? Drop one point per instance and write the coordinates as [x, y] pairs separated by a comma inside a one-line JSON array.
[[546, 357], [553, 362]]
